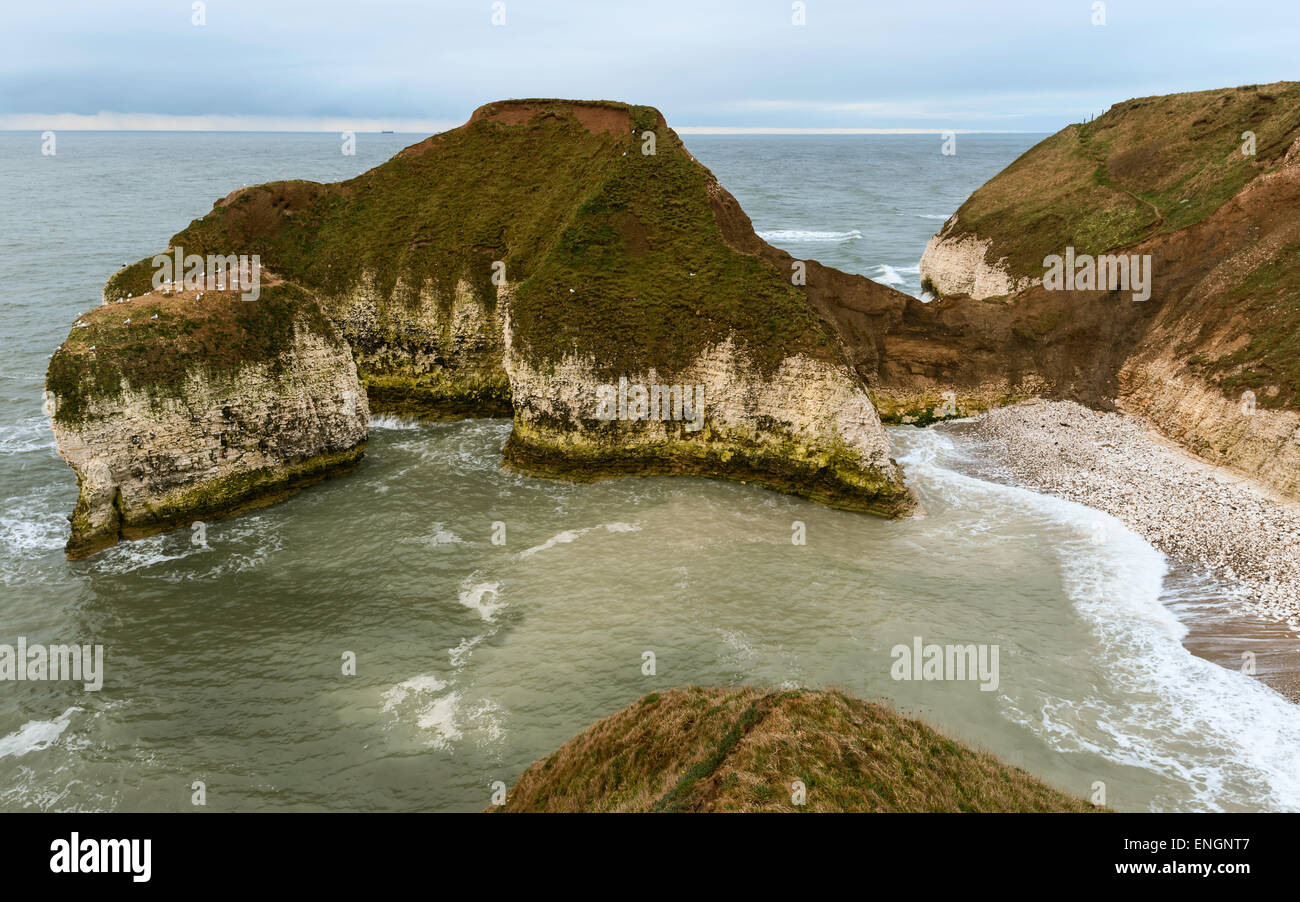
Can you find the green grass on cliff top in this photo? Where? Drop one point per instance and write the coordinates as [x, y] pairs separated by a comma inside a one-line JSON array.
[[219, 334], [742, 749], [611, 253], [1147, 166]]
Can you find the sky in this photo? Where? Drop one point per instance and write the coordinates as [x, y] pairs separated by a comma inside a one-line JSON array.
[[708, 65]]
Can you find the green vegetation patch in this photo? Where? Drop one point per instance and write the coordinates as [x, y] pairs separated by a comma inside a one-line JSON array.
[[611, 253], [167, 339], [1267, 301], [1147, 166]]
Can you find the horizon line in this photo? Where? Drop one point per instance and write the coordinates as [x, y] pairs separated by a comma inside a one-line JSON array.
[[163, 122]]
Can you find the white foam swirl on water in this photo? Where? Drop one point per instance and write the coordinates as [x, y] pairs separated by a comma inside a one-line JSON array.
[[244, 542], [483, 597], [388, 421], [571, 535], [444, 717], [29, 434], [35, 735], [415, 685], [440, 536], [808, 236]]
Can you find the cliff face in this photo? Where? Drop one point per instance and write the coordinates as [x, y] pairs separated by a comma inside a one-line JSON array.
[[808, 427], [715, 750], [172, 409], [545, 250], [1212, 358], [955, 263], [425, 356], [548, 252]]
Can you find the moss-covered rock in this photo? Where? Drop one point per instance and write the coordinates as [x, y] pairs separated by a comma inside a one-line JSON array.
[[552, 246], [172, 408]]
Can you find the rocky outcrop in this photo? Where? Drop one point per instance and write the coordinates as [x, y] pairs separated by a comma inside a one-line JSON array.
[[547, 248], [808, 428], [512, 267], [172, 409], [426, 356], [961, 265]]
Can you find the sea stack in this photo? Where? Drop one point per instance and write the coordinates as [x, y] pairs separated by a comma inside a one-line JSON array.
[[510, 267], [186, 410]]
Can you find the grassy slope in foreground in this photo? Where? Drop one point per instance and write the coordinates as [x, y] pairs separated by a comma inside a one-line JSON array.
[[741, 749]]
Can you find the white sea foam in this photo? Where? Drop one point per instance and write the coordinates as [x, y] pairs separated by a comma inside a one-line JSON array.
[[889, 275], [30, 434], [486, 720], [901, 277], [460, 654], [418, 685], [802, 235], [29, 527], [562, 538], [483, 597], [388, 421], [245, 544], [440, 719], [439, 536], [571, 535], [35, 735], [1158, 701]]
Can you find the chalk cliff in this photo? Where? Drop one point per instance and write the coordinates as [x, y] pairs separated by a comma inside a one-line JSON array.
[[511, 267], [172, 409], [1206, 185]]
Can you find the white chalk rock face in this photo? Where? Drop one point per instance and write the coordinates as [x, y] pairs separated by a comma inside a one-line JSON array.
[[959, 265], [422, 354], [220, 440], [809, 428]]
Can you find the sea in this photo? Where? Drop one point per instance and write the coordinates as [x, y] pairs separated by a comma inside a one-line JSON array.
[[367, 646]]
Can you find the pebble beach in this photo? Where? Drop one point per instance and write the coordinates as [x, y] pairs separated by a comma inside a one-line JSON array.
[[1198, 514]]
